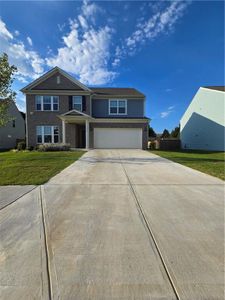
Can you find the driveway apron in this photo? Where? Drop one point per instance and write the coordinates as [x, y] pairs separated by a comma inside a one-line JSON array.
[[116, 224]]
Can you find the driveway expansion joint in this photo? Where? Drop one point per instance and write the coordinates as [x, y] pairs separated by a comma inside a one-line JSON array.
[[142, 215], [45, 244]]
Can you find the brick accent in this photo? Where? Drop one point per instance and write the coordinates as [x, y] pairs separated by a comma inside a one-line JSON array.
[[36, 118]]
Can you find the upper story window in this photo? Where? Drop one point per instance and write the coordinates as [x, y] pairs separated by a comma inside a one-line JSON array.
[[117, 107], [77, 103], [13, 123], [47, 103]]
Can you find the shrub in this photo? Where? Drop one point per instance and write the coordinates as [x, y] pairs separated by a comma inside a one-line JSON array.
[[54, 147], [152, 145], [30, 148], [21, 145]]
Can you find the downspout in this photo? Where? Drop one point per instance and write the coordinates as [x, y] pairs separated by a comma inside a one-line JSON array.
[[26, 125]]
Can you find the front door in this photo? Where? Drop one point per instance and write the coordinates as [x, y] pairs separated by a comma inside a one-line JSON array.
[[80, 136], [83, 137]]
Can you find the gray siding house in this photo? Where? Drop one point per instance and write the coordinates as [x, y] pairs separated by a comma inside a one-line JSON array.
[[14, 130], [202, 126], [62, 109]]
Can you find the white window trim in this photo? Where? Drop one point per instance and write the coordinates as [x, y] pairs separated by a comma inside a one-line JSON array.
[[42, 103], [73, 97], [117, 113], [43, 135]]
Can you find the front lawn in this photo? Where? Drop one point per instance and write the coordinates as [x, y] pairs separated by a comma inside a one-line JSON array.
[[33, 167], [211, 163]]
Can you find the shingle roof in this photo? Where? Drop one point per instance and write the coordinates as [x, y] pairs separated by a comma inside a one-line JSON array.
[[217, 88], [109, 91]]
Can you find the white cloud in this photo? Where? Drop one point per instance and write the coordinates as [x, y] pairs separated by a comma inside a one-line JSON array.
[[166, 113], [86, 50], [4, 33], [89, 9], [21, 79], [83, 22], [161, 22], [29, 40], [16, 33], [29, 63], [61, 27], [116, 62]]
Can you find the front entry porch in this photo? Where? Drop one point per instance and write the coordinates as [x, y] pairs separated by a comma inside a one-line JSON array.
[[75, 129]]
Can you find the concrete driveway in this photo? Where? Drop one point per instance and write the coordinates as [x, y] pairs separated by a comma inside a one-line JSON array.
[[117, 224]]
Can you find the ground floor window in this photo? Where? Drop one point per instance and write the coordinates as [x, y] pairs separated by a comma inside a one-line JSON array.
[[47, 134]]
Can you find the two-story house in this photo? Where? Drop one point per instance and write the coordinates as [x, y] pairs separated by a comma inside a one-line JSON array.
[[14, 130], [62, 109]]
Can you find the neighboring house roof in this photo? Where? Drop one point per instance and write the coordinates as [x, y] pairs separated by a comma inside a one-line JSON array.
[[110, 91], [13, 103], [216, 88], [23, 115]]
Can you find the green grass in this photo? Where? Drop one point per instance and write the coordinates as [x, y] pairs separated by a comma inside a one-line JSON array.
[[211, 163], [33, 167]]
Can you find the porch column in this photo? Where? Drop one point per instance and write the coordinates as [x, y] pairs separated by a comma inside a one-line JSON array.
[[87, 134], [63, 132]]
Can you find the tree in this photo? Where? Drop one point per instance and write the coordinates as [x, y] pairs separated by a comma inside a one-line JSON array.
[[175, 133], [7, 95], [151, 132], [165, 134]]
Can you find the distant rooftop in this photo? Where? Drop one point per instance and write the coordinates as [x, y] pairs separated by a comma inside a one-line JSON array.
[[110, 91], [217, 88]]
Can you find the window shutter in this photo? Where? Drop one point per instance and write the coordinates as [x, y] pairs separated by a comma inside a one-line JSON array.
[[83, 103], [70, 102]]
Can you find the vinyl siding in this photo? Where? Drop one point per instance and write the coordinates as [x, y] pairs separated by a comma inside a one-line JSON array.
[[202, 125], [8, 133], [135, 108]]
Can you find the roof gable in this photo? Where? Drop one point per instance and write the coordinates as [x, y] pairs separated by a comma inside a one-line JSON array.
[[220, 88], [51, 83], [75, 112], [55, 79]]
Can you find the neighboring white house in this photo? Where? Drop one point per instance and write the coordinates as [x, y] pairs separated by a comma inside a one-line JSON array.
[[14, 130], [202, 125]]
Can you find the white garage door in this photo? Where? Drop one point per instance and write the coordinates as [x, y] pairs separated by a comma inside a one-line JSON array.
[[118, 138]]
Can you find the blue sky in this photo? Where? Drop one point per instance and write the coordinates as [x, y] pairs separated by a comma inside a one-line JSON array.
[[166, 49]]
